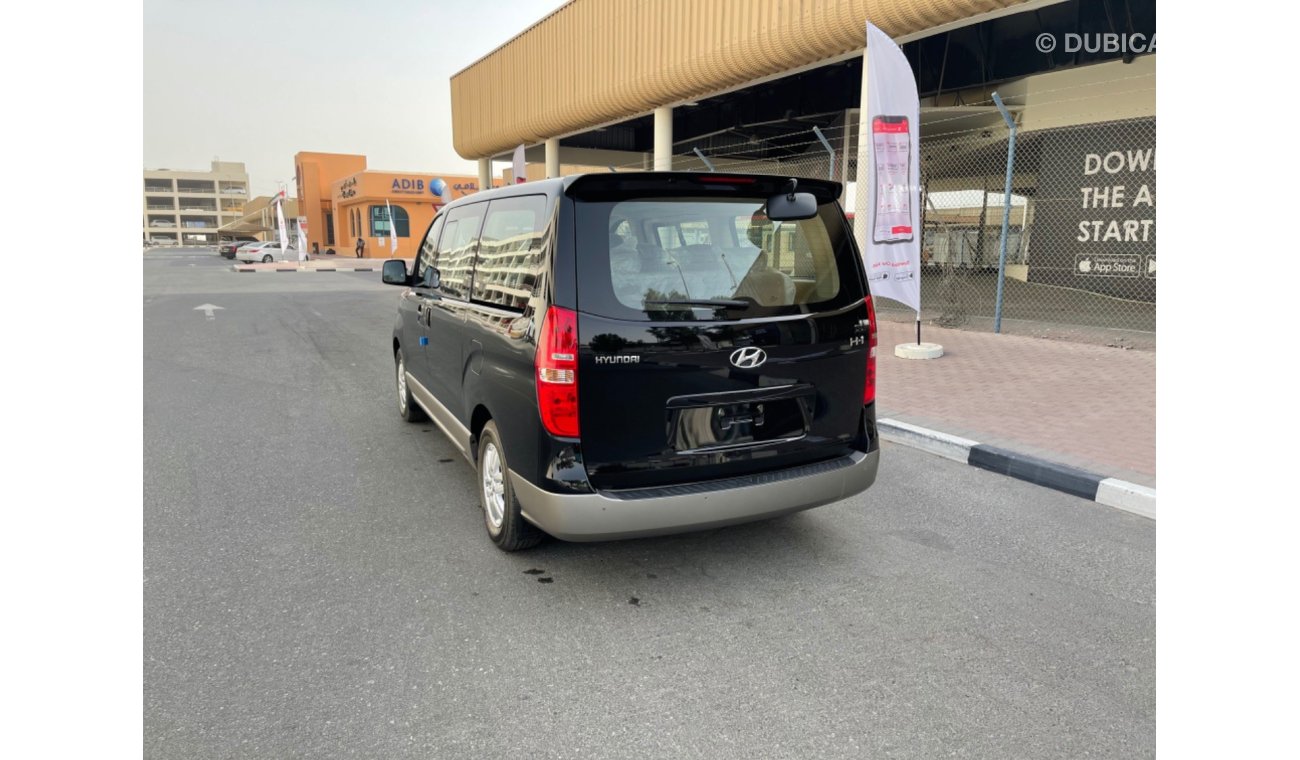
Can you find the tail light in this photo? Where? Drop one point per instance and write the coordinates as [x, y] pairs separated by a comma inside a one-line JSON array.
[[869, 393], [557, 372]]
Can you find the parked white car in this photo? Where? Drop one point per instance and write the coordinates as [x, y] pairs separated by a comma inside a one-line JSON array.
[[266, 253]]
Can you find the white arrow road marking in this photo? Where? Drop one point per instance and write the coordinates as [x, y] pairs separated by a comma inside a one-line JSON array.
[[208, 308]]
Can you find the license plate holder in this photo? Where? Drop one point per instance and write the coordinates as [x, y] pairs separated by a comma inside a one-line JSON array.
[[710, 422]]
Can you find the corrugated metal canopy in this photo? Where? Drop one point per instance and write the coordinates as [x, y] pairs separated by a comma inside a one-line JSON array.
[[598, 61]]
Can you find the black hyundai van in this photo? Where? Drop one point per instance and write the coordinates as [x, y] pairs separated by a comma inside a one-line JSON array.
[[631, 354]]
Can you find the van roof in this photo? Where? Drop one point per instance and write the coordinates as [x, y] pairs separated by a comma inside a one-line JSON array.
[[578, 184], [720, 184]]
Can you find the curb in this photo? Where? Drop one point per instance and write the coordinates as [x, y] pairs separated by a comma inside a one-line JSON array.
[[238, 268], [1108, 491]]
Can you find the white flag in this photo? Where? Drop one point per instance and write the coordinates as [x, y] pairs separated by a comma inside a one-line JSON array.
[[302, 241], [392, 227], [887, 221], [279, 217], [517, 166]]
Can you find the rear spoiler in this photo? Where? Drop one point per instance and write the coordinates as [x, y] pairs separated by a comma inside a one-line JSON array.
[[642, 184]]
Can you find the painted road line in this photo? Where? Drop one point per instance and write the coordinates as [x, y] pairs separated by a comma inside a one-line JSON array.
[[209, 309]]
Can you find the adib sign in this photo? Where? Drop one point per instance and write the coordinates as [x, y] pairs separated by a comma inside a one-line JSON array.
[[407, 185]]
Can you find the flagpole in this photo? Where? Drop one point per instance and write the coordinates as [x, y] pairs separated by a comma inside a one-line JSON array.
[[920, 264]]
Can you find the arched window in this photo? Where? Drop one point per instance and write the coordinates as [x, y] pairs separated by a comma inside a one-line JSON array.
[[379, 221]]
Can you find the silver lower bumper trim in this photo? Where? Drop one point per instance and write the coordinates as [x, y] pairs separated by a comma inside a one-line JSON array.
[[597, 517]]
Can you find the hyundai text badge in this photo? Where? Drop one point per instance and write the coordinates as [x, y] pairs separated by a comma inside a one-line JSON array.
[[748, 358]]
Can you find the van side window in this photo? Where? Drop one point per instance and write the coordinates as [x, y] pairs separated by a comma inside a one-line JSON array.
[[456, 249], [510, 251], [428, 255]]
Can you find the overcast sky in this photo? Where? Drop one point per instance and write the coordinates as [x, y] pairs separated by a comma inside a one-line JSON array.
[[259, 81]]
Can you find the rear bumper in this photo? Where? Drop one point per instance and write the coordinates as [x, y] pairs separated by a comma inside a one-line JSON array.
[[677, 509]]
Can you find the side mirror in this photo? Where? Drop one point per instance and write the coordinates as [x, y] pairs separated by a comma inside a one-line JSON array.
[[394, 273]]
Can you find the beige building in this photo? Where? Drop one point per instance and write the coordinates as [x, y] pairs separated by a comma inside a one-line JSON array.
[[259, 220], [187, 207]]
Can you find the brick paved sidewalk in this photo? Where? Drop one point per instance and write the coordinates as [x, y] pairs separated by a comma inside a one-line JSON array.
[[1083, 405]]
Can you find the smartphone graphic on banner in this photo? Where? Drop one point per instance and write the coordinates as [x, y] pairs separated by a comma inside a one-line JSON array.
[[891, 142]]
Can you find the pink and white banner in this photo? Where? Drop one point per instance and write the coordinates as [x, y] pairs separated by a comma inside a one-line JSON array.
[[889, 230]]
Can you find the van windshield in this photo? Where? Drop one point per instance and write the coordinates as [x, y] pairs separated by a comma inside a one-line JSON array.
[[696, 258]]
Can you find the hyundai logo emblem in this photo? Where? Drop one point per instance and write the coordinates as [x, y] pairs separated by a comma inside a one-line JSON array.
[[748, 358]]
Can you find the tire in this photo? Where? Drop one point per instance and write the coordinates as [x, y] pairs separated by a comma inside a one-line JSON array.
[[406, 406], [267, 259], [505, 522]]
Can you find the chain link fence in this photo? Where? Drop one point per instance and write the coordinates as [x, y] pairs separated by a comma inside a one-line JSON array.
[[1080, 233]]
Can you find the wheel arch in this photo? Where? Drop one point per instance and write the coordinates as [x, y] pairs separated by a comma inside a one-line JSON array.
[[478, 420]]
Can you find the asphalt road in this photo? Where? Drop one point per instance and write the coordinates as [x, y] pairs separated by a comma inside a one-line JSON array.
[[318, 583]]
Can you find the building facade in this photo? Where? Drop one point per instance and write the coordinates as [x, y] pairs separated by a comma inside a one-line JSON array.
[[188, 207], [776, 87], [259, 220], [341, 201]]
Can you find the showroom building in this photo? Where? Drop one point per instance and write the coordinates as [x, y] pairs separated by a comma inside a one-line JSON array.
[[775, 87]]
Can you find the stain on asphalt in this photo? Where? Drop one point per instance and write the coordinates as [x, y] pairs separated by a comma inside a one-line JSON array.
[[533, 571], [925, 538], [651, 575], [635, 602], [546, 580], [441, 461]]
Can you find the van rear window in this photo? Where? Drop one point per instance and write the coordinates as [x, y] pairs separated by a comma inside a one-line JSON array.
[[696, 258]]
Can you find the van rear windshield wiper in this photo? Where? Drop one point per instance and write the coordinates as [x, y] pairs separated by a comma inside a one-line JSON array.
[[718, 303]]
